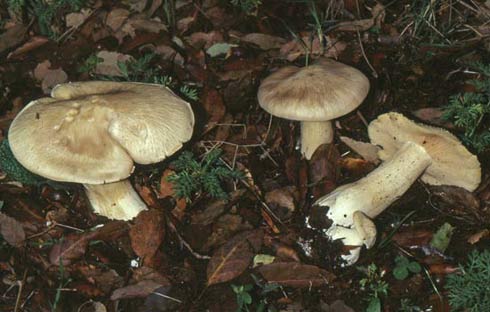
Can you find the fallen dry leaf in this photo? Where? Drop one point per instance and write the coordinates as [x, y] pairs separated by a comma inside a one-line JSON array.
[[49, 77], [11, 230], [233, 258], [475, 238], [282, 201], [294, 49], [324, 170], [355, 166], [264, 41], [202, 40], [139, 290], [70, 248], [116, 18], [212, 101], [77, 19], [295, 274], [12, 37], [147, 234], [108, 66], [433, 115], [33, 43], [367, 151]]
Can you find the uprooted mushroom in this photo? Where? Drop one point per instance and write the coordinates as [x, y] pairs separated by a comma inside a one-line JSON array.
[[93, 133], [408, 150], [314, 95]]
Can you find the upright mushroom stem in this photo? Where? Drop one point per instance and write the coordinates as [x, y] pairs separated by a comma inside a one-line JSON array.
[[116, 200], [375, 192], [314, 134]]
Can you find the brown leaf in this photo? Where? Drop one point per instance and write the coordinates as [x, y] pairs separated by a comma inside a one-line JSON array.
[[225, 227], [108, 66], [433, 115], [475, 238], [49, 77], [367, 151], [282, 201], [233, 258], [147, 234], [293, 49], [139, 290], [202, 40], [70, 248], [212, 102], [323, 170], [31, 44], [77, 19], [116, 18], [264, 41], [295, 274], [412, 238], [355, 166], [458, 200], [11, 230], [166, 187], [74, 246], [12, 37]]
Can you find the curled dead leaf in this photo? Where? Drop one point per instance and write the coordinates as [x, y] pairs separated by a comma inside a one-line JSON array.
[[234, 257], [295, 274]]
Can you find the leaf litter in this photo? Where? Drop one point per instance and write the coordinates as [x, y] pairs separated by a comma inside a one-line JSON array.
[[180, 253]]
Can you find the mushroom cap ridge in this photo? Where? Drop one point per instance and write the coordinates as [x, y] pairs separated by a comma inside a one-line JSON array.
[[319, 92], [452, 163], [91, 132]]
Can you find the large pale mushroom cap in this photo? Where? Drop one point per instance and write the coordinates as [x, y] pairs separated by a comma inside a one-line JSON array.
[[452, 163], [319, 92], [91, 132]]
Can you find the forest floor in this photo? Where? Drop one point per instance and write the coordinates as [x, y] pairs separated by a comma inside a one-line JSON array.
[[242, 244]]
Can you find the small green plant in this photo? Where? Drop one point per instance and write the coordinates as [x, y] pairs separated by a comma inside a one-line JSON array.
[[403, 267], [90, 64], [469, 110], [14, 169], [61, 285], [442, 237], [247, 6], [244, 297], [375, 286], [44, 11], [193, 176], [469, 289]]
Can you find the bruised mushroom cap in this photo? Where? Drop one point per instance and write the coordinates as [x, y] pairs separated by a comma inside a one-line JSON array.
[[319, 92], [452, 163], [91, 132]]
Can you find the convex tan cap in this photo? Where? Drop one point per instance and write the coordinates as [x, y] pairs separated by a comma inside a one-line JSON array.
[[313, 95], [452, 163], [322, 91], [91, 132]]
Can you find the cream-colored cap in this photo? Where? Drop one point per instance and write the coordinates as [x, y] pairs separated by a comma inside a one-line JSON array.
[[91, 132], [452, 163], [319, 92]]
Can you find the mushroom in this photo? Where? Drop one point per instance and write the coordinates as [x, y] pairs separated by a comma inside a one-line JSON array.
[[409, 150], [314, 95], [363, 232], [93, 133]]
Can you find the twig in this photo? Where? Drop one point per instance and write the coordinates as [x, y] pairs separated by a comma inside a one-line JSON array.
[[374, 73], [19, 292]]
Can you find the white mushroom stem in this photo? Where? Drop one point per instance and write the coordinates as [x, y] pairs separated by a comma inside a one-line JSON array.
[[116, 200], [314, 134], [349, 237], [375, 192]]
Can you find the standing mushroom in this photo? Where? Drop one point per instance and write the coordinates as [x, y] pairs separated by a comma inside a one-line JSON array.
[[409, 150], [314, 95], [93, 133]]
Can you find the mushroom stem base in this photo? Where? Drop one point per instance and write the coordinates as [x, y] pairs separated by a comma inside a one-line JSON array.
[[116, 200], [314, 134], [379, 189]]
